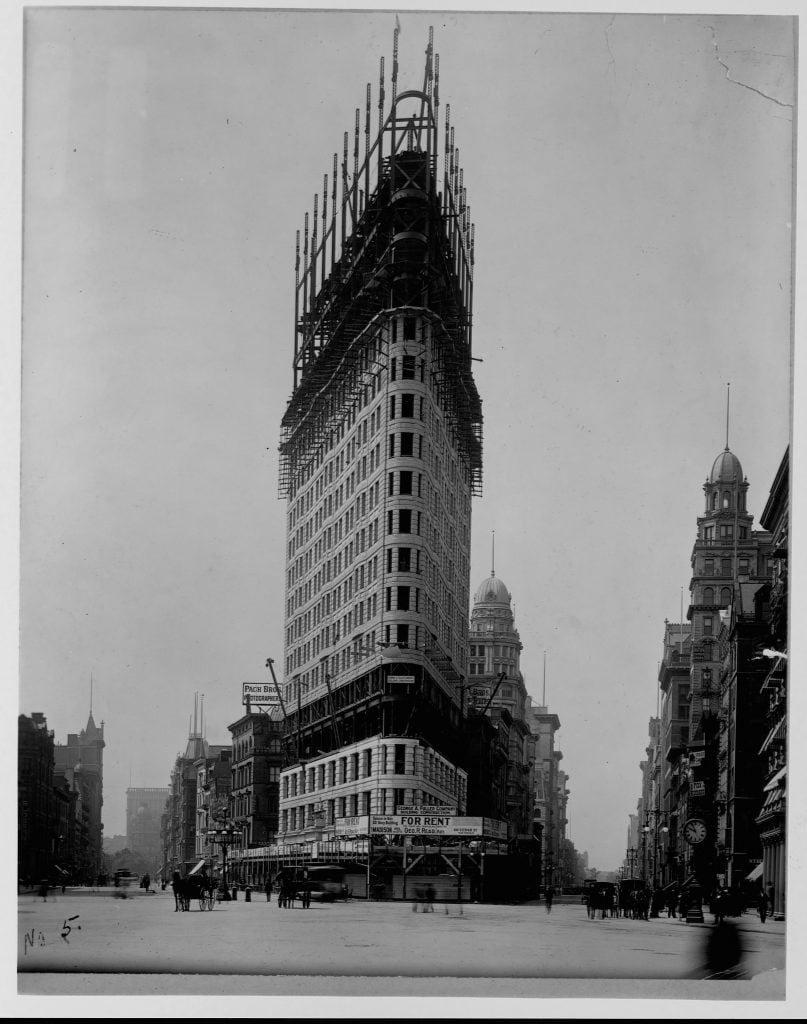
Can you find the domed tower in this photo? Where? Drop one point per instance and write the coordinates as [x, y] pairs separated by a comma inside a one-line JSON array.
[[729, 562], [496, 688], [495, 648], [725, 553]]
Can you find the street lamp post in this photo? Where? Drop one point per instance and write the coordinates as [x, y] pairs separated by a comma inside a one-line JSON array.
[[645, 830], [224, 836]]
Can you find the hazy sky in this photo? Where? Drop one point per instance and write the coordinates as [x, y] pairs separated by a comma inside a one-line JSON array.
[[629, 177]]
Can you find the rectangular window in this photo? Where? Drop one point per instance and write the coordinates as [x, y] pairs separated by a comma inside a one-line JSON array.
[[404, 559], [404, 520], [403, 599], [407, 444], [389, 599], [409, 325], [400, 760], [389, 521], [405, 481], [389, 559], [393, 365], [392, 446], [402, 636], [707, 625], [392, 407], [408, 368], [390, 483], [407, 406]]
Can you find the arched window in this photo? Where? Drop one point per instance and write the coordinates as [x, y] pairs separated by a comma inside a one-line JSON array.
[[725, 597], [714, 499], [726, 499], [708, 595]]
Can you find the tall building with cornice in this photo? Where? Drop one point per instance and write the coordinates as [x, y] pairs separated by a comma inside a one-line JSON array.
[[380, 455]]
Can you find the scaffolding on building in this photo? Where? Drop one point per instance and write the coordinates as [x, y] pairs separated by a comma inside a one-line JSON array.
[[398, 241]]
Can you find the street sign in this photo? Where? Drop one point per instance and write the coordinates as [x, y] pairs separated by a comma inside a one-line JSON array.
[[401, 680], [449, 809], [260, 693]]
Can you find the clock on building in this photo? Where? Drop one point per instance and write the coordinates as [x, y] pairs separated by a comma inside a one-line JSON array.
[[695, 831]]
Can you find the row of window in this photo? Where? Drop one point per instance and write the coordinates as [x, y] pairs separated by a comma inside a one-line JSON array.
[[497, 650], [383, 759], [725, 531], [724, 566]]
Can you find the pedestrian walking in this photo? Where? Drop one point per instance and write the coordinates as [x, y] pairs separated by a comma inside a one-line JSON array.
[[430, 894], [268, 888], [762, 905], [43, 890], [549, 895], [719, 906], [176, 885], [770, 892]]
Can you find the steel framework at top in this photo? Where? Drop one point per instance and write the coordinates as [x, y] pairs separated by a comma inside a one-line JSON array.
[[395, 241]]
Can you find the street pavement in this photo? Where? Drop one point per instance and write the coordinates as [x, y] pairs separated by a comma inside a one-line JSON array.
[[85, 942]]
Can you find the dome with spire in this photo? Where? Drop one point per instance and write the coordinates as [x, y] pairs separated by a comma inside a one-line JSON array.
[[492, 591], [726, 469]]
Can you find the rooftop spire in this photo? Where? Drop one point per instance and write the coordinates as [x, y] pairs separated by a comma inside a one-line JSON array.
[[728, 398], [492, 552]]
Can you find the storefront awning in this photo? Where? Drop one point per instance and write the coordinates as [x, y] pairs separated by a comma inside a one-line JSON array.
[[776, 733], [198, 867], [752, 876], [774, 782]]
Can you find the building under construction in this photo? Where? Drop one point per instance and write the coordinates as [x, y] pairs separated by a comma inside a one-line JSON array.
[[381, 452]]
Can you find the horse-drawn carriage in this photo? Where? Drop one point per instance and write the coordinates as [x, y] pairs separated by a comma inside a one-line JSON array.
[[194, 888]]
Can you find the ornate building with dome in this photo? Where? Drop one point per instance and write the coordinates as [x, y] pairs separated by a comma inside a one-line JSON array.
[[700, 818], [496, 688]]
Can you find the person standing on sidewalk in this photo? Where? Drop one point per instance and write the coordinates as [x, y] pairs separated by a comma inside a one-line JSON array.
[[549, 895], [771, 894], [763, 905], [268, 888]]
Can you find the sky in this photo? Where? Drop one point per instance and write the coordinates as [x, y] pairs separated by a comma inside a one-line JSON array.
[[629, 177]]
